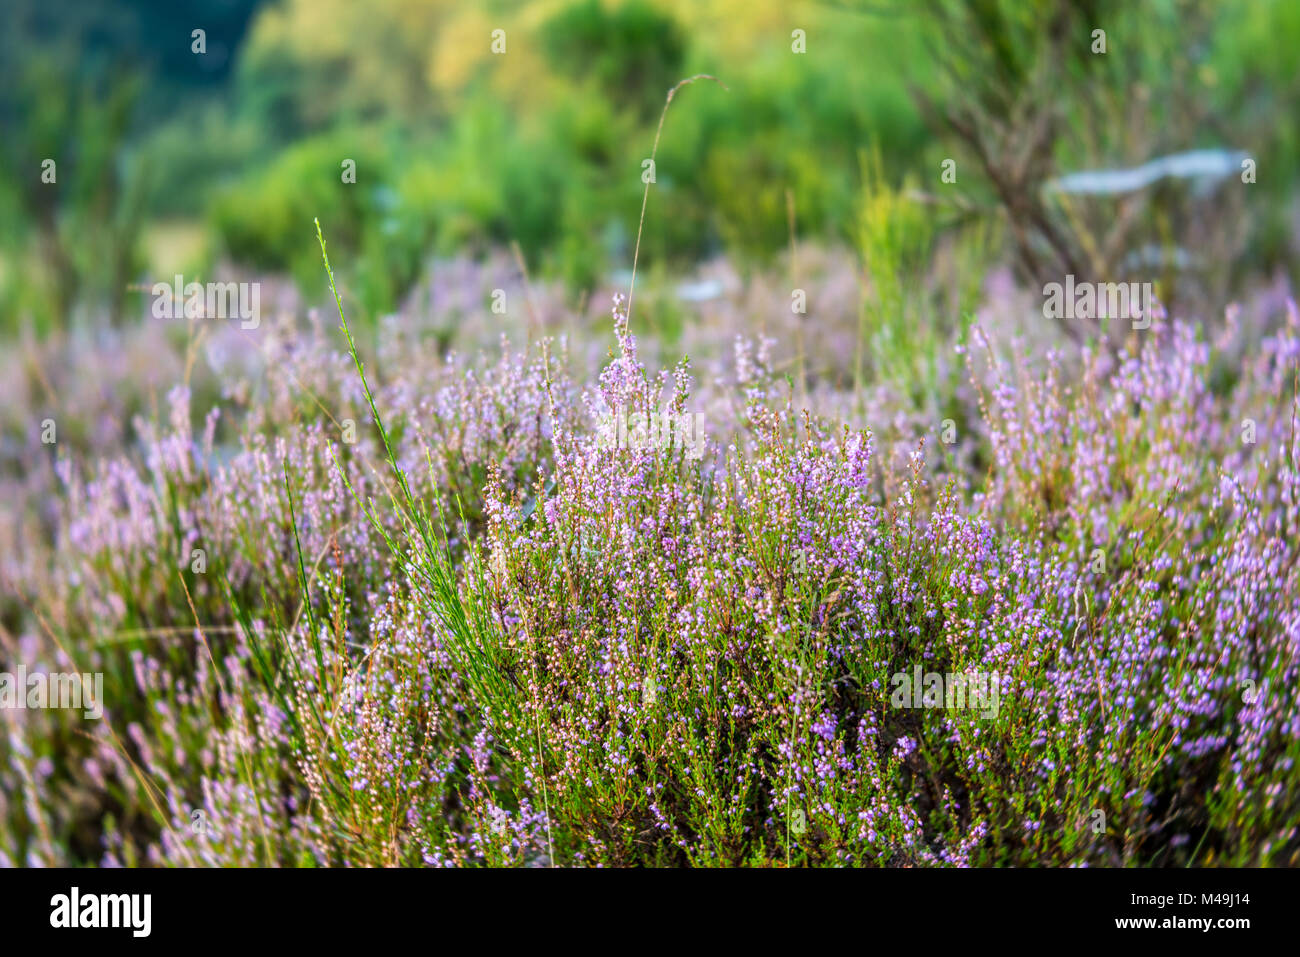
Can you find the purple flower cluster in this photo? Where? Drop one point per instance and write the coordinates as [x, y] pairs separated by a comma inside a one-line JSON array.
[[649, 657]]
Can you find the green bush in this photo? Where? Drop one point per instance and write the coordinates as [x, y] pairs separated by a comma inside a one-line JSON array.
[[261, 219], [633, 53]]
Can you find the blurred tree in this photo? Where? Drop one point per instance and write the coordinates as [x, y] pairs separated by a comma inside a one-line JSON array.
[[77, 82], [311, 64], [632, 52], [1033, 90]]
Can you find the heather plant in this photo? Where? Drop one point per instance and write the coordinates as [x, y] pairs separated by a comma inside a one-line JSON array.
[[409, 606]]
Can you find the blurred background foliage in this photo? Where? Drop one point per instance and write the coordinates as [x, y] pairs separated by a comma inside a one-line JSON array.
[[170, 160]]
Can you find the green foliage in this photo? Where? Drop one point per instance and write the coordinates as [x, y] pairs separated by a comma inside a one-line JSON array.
[[906, 323], [1253, 73], [632, 53], [544, 147], [564, 181], [259, 219], [1026, 92], [73, 246], [193, 155]]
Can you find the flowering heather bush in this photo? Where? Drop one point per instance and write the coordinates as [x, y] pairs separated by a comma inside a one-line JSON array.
[[479, 634]]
